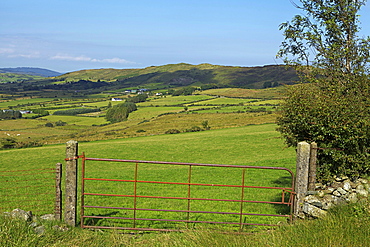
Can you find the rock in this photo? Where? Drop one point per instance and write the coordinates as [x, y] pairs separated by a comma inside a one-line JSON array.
[[362, 180], [336, 185], [313, 201], [347, 186], [313, 211], [327, 201], [21, 214], [40, 230], [33, 224], [311, 192], [319, 186], [360, 187], [60, 228], [48, 217], [329, 190], [340, 178], [336, 193], [362, 192], [339, 201], [342, 191], [352, 198], [320, 193]]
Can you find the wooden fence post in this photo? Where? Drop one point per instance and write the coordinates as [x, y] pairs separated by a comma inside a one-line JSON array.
[[71, 183], [58, 191], [312, 171], [301, 183]]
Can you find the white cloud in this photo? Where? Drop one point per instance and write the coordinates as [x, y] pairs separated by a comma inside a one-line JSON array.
[[83, 58], [26, 55], [6, 50]]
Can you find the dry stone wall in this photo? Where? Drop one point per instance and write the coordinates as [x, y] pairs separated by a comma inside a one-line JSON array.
[[341, 191]]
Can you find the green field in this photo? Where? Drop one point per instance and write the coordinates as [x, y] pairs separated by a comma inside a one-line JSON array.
[[237, 146], [174, 100]]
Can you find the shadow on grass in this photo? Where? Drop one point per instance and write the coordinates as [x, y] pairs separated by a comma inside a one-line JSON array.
[[99, 221], [285, 182]]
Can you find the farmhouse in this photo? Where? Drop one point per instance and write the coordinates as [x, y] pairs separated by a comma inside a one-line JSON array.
[[117, 99]]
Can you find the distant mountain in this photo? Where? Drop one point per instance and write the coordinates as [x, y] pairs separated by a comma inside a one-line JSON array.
[[182, 75], [31, 71]]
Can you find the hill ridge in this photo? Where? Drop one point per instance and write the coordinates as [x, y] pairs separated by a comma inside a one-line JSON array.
[[184, 74]]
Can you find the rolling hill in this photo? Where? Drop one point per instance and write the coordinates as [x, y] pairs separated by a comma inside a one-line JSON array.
[[30, 71], [180, 75]]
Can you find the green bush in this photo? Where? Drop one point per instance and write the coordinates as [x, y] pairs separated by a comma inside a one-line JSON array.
[[194, 129], [49, 124], [76, 111], [339, 121], [172, 131], [120, 112]]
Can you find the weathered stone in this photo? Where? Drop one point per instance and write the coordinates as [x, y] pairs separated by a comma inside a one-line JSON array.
[[313, 200], [311, 192], [342, 191], [340, 178], [60, 228], [347, 185], [33, 224], [360, 187], [362, 192], [351, 198], [329, 190], [21, 214], [320, 193], [319, 186], [313, 211], [40, 230], [339, 201], [367, 187], [48, 217], [336, 193], [336, 185], [327, 201], [363, 180]]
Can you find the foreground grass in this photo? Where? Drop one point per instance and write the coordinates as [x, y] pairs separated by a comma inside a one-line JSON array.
[[344, 226], [257, 145]]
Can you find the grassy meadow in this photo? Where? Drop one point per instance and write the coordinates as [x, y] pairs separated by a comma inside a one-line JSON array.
[[211, 147], [155, 116], [238, 136]]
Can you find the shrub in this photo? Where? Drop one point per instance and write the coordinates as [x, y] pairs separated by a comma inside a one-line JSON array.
[[172, 131], [48, 124], [194, 129], [60, 123], [120, 112], [8, 142], [76, 111]]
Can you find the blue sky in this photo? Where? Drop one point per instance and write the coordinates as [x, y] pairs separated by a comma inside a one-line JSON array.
[[70, 35]]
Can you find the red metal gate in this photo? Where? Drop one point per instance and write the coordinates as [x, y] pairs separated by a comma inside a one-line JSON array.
[[177, 195]]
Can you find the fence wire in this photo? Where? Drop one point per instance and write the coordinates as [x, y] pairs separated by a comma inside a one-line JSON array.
[[30, 190]]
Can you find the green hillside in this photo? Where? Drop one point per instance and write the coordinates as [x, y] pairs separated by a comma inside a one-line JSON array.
[[16, 77], [87, 83], [179, 75]]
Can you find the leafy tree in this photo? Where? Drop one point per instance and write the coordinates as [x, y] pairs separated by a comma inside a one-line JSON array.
[[8, 142], [10, 114], [120, 112], [138, 98], [331, 107]]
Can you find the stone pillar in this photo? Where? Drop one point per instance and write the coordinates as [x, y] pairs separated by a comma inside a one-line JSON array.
[[58, 191], [312, 169], [301, 183], [71, 183]]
